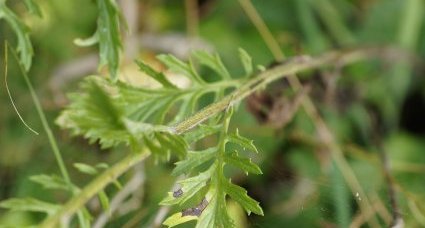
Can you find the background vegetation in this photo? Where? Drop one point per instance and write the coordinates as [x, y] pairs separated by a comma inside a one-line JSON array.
[[374, 108]]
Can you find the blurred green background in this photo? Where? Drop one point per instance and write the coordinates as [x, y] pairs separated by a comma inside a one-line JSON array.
[[370, 106]]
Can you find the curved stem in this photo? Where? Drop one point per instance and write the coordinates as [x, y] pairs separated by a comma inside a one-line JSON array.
[[285, 69]]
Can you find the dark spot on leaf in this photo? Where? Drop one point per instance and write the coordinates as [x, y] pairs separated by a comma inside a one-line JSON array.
[[196, 211], [178, 193]]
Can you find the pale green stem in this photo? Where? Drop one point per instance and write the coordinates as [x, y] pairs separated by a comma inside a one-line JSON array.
[[47, 129], [44, 122], [333, 21], [94, 187]]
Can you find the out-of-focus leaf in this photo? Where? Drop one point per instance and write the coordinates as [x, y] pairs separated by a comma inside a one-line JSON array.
[[214, 62], [50, 182], [88, 41], [246, 61], [29, 204], [24, 47], [181, 67], [33, 7], [104, 200], [159, 77], [84, 168], [102, 166], [108, 31]]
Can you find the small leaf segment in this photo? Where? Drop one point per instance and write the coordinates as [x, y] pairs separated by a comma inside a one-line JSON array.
[[108, 35], [24, 46], [211, 185]]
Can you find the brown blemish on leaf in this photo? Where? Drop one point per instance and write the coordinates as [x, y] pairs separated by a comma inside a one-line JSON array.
[[196, 211], [178, 193]]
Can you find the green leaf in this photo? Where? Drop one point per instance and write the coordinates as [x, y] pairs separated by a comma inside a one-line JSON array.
[[177, 219], [24, 48], [88, 41], [102, 166], [108, 31], [240, 195], [100, 112], [215, 184], [193, 160], [50, 182], [215, 214], [95, 115], [212, 61], [173, 142], [84, 168], [243, 163], [29, 204], [242, 141], [156, 149], [201, 132], [159, 77], [181, 67], [33, 7], [246, 61], [189, 187], [104, 200]]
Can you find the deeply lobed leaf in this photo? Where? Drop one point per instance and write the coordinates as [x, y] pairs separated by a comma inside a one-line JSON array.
[[214, 214]]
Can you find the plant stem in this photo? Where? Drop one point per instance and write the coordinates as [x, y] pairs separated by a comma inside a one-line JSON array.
[[265, 33], [94, 187], [289, 67], [43, 119], [47, 129], [333, 21], [192, 17]]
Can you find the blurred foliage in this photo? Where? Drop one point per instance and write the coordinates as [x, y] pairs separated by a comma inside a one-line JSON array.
[[370, 106]]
